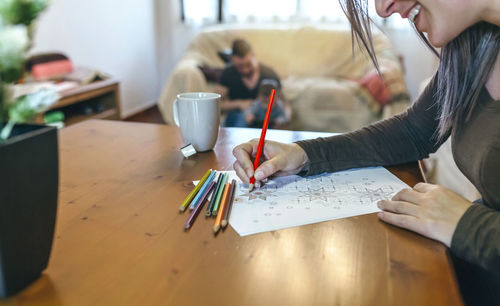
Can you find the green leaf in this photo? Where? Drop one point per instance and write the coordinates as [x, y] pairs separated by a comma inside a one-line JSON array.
[[22, 11], [3, 102], [25, 108], [6, 130], [11, 74]]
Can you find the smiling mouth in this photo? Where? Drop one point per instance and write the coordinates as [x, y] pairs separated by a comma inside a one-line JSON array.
[[412, 16]]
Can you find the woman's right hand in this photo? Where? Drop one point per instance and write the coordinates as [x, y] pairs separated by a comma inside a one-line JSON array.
[[278, 159]]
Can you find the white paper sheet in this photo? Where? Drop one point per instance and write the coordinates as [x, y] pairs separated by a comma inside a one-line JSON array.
[[293, 201]]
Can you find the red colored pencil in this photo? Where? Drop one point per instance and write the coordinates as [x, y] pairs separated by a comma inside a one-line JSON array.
[[262, 137]]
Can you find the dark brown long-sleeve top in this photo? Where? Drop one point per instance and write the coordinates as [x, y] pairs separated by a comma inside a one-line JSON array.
[[410, 136]]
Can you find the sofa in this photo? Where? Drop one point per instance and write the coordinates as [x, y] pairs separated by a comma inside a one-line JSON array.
[[324, 79]]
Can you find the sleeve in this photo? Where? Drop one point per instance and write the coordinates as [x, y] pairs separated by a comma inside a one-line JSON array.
[[403, 138], [477, 237]]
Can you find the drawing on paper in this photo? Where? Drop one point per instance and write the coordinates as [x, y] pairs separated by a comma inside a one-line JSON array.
[[319, 190], [293, 200], [261, 194]]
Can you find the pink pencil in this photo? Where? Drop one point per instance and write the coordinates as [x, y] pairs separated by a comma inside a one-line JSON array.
[[197, 209]]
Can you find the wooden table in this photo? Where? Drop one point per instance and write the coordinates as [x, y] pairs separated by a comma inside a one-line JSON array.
[[120, 238]]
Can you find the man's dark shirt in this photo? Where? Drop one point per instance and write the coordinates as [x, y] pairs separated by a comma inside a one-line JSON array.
[[231, 79]]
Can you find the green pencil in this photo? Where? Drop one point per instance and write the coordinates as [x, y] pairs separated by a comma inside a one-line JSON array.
[[219, 195], [210, 205]]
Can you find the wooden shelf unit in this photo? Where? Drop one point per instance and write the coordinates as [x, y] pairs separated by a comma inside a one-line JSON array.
[[97, 100]]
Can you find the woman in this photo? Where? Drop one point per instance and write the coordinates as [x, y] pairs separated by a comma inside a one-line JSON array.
[[462, 102]]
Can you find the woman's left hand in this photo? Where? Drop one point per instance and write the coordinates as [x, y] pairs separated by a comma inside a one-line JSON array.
[[430, 210]]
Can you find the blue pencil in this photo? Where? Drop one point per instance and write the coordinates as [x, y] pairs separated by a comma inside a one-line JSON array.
[[202, 190]]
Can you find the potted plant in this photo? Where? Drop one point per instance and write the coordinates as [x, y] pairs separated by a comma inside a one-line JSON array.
[[28, 157]]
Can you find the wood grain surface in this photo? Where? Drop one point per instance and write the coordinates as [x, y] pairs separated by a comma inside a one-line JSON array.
[[120, 237]]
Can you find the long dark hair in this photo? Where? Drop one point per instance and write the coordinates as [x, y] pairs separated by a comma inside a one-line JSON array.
[[466, 63]]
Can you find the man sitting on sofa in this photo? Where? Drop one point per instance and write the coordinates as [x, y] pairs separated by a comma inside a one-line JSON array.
[[240, 81]]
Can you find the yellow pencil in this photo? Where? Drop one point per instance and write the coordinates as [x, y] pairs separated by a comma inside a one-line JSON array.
[[223, 204], [194, 191]]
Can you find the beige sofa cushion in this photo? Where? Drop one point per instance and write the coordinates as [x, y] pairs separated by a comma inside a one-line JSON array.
[[331, 102]]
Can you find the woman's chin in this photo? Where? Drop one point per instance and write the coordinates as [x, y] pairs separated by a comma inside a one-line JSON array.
[[437, 41]]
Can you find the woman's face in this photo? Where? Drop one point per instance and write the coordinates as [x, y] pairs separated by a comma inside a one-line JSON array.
[[442, 20]]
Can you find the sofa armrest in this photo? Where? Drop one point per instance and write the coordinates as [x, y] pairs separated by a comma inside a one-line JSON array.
[[186, 77]]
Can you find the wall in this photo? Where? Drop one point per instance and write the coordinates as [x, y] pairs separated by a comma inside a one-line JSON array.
[[420, 63], [115, 36], [172, 37]]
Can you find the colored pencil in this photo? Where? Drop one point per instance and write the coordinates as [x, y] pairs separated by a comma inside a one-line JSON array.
[[196, 199], [197, 209], [223, 203], [193, 193], [262, 137], [211, 203], [219, 195], [227, 212]]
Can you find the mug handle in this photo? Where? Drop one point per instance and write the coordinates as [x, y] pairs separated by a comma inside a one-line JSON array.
[[175, 111]]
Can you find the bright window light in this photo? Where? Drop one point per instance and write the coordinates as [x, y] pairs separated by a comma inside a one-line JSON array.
[[321, 9], [200, 11], [261, 9]]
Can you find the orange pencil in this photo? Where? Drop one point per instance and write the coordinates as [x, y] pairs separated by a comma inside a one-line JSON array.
[[230, 199], [223, 204]]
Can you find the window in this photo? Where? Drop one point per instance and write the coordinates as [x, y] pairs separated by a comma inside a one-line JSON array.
[[200, 11], [234, 11], [322, 10], [243, 10]]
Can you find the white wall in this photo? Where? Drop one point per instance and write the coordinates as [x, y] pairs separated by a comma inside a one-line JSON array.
[[115, 36], [172, 37], [420, 63]]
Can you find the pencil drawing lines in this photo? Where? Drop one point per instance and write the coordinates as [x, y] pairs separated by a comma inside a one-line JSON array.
[[316, 195], [261, 194], [373, 195], [291, 201]]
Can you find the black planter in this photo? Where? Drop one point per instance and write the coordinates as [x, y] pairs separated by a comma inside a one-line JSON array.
[[29, 177]]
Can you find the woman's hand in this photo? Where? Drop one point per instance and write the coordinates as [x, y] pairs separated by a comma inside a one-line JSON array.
[[430, 210], [279, 159]]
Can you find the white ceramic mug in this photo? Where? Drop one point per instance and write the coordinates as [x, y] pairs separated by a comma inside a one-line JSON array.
[[198, 116]]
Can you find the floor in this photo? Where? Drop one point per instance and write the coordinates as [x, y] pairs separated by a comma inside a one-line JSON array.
[[150, 115]]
